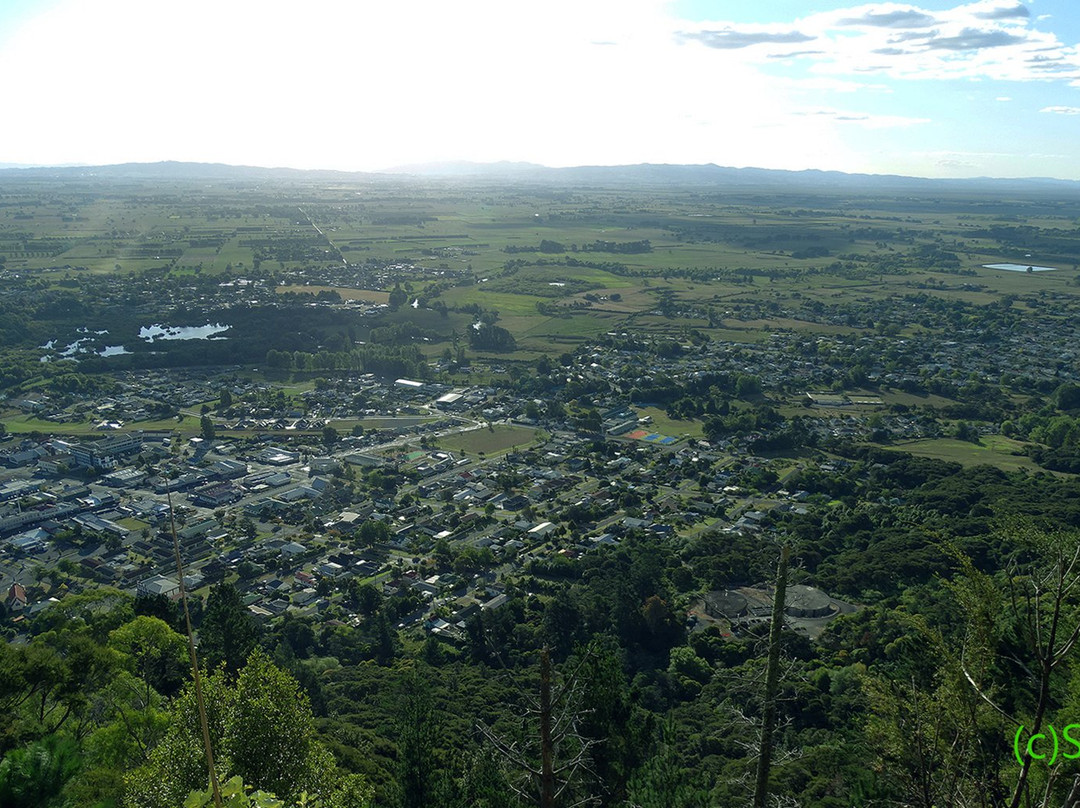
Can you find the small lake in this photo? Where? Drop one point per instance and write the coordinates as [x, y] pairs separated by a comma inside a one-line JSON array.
[[76, 347], [1020, 267], [156, 331]]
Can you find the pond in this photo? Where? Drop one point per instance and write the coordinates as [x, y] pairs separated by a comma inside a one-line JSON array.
[[157, 331], [1019, 267]]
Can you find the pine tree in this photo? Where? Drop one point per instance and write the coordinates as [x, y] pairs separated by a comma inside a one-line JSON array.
[[227, 634]]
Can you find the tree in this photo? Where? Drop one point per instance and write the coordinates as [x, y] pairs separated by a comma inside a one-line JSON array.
[[227, 634], [419, 766], [34, 776], [206, 424], [489, 337], [386, 639], [1066, 397], [161, 607], [397, 298], [747, 386], [967, 432], [270, 733], [947, 708], [364, 597], [154, 652], [54, 680], [247, 527], [613, 724], [262, 730], [590, 421], [663, 782], [562, 624]]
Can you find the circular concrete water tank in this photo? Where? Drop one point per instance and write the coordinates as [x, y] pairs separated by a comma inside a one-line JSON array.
[[727, 604], [806, 601]]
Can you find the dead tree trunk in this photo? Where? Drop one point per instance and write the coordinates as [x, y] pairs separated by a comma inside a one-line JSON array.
[[563, 754], [772, 682], [215, 788], [547, 747]]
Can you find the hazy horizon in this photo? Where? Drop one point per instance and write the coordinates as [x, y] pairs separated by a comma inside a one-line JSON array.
[[467, 168]]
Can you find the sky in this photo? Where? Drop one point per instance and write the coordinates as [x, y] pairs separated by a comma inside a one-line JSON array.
[[934, 89]]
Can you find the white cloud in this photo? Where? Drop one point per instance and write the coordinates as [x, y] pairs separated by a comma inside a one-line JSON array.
[[989, 39], [1062, 110]]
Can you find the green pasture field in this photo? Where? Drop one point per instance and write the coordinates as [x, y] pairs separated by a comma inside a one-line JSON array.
[[755, 231], [992, 450], [196, 224], [570, 328], [666, 425], [553, 274], [298, 386], [131, 523], [502, 438], [909, 399], [22, 424], [503, 302]]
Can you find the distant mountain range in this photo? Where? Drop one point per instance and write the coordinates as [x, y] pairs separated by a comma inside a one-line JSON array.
[[173, 170], [710, 174], [707, 176]]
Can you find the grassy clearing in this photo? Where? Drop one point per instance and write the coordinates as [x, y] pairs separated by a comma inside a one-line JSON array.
[[503, 302], [992, 450], [577, 325], [190, 425], [666, 425], [502, 438], [24, 424], [912, 399], [296, 388]]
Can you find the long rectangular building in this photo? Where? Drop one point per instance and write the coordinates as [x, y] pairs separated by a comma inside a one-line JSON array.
[[102, 454]]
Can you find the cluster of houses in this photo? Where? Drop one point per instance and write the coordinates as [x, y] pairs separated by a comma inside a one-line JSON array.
[[562, 498]]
